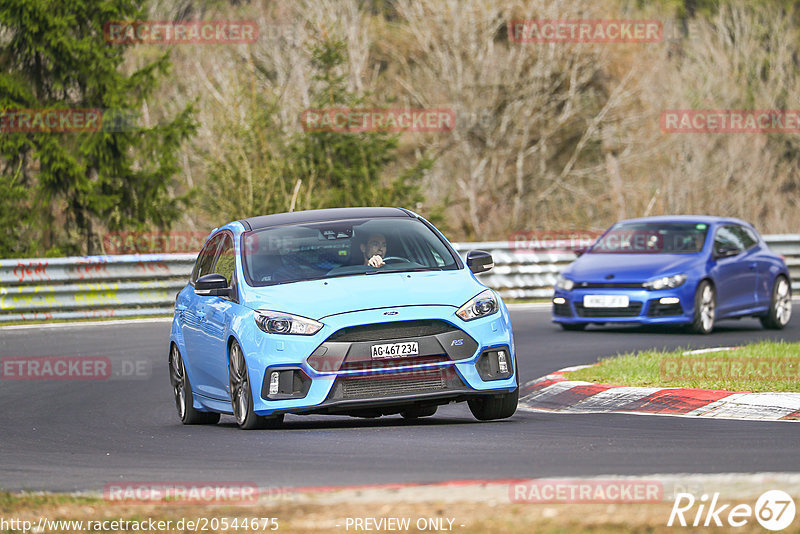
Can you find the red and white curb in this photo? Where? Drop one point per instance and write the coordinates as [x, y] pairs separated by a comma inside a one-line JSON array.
[[556, 393]]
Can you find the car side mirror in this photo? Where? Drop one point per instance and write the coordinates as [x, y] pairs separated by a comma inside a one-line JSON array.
[[580, 251], [212, 285], [479, 261], [725, 251]]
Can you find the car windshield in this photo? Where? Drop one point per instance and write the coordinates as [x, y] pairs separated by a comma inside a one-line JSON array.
[[652, 238], [341, 248]]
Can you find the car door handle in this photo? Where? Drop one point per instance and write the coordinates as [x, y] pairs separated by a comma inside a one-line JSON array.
[[180, 307]]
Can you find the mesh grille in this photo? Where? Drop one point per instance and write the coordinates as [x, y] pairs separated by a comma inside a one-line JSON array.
[[562, 310], [656, 309], [393, 384], [395, 330], [609, 285], [633, 310]]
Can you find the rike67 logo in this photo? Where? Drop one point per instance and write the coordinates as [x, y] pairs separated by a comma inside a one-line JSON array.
[[774, 510]]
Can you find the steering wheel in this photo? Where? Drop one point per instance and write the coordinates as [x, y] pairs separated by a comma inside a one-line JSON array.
[[395, 259]]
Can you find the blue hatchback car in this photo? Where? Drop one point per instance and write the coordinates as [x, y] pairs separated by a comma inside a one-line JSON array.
[[353, 311], [675, 270]]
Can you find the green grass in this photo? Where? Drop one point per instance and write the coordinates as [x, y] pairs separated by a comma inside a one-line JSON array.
[[760, 367], [14, 502]]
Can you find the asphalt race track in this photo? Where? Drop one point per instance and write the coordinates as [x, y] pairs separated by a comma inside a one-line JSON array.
[[81, 435]]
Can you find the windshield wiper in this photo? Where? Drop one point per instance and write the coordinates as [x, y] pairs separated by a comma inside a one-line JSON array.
[[411, 270]]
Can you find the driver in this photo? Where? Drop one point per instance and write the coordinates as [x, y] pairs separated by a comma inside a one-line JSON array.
[[374, 250]]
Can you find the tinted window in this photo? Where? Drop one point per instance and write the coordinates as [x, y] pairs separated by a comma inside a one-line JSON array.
[[728, 237], [338, 248], [753, 235], [225, 259], [652, 238], [746, 237], [205, 260]]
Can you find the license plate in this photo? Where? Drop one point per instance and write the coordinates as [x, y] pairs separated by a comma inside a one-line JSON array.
[[605, 301], [395, 350]]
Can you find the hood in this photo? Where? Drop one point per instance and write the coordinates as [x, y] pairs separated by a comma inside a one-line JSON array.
[[317, 299], [628, 267]]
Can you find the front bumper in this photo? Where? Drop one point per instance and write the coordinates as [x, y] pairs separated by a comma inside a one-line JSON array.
[[645, 307], [335, 373]]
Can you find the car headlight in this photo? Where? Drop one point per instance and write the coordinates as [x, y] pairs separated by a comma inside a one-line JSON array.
[[481, 305], [564, 283], [273, 322], [666, 282]]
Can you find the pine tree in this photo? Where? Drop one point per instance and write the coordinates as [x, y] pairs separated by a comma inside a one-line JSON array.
[[54, 56], [346, 168], [264, 170]]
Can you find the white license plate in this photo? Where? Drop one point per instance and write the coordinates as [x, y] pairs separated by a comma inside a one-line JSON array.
[[395, 350], [605, 301]]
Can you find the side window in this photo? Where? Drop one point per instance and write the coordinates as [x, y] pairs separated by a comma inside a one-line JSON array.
[[728, 237], [225, 259], [205, 260], [748, 239]]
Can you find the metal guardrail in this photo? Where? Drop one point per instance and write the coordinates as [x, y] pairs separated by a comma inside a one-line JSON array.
[[91, 286], [146, 284]]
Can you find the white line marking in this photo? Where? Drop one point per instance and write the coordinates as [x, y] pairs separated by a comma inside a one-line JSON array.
[[708, 350], [767, 406], [88, 323], [530, 306], [611, 399]]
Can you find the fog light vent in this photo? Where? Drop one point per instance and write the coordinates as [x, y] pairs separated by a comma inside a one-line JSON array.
[[285, 383], [494, 364]]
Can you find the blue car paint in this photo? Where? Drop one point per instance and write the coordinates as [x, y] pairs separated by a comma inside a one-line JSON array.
[[743, 283], [204, 326]]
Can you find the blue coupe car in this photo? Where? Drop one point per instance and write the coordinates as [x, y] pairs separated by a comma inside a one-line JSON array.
[[354, 311], [675, 270]]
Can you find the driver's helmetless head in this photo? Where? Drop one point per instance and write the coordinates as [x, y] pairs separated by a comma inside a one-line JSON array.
[[375, 246]]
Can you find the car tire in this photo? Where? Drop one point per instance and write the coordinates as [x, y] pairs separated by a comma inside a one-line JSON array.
[[419, 411], [242, 394], [488, 408], [571, 327], [705, 308], [182, 390], [780, 307]]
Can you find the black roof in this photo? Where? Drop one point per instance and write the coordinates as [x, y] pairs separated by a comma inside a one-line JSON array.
[[330, 214]]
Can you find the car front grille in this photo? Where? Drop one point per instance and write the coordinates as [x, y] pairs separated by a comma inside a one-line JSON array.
[[389, 385], [393, 330], [632, 310], [396, 384], [609, 285]]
